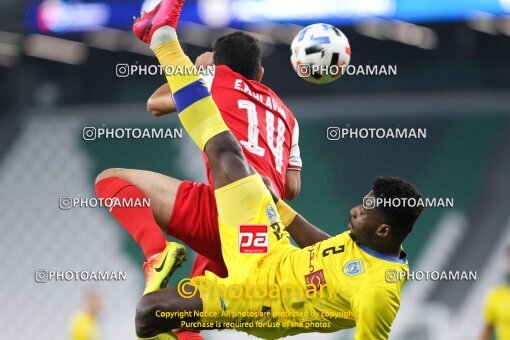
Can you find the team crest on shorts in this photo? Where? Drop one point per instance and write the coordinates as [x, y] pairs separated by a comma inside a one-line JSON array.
[[271, 213], [354, 267]]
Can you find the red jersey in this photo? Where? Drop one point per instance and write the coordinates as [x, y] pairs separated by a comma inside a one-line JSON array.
[[260, 121]]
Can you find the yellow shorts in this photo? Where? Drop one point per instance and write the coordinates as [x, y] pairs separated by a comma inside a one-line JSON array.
[[241, 205], [244, 203]]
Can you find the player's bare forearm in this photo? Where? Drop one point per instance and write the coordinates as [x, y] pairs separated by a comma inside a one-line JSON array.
[[304, 233], [161, 102], [292, 184]]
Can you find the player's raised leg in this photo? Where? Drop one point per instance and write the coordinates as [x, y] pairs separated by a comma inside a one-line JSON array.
[[160, 189], [197, 111], [202, 120], [162, 257]]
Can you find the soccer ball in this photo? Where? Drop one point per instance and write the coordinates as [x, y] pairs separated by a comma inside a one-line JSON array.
[[319, 53]]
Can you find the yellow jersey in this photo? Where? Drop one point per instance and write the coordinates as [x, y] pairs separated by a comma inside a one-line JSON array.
[[345, 285], [497, 311], [275, 289]]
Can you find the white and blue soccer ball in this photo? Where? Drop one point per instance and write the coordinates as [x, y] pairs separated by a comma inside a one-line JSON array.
[[320, 53]]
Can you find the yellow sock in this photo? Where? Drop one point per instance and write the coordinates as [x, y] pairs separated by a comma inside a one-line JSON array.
[[172, 57], [165, 336], [197, 111]]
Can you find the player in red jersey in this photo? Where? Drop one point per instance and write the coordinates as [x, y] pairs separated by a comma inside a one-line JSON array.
[[260, 121], [263, 125]]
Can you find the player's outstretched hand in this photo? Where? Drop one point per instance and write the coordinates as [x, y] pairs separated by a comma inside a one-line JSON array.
[[204, 60]]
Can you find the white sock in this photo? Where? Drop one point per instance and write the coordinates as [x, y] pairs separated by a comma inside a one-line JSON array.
[[154, 256], [163, 35]]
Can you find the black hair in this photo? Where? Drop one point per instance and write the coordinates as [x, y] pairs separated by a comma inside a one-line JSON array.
[[400, 218], [240, 52]]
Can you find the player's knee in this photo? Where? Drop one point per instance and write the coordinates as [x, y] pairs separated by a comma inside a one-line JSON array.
[[224, 144], [112, 172], [144, 319], [225, 150]]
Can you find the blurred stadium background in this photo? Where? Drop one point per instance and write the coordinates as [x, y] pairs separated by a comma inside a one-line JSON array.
[[58, 75]]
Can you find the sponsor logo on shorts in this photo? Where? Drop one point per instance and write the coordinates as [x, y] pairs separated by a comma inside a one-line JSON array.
[[354, 267], [253, 239]]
